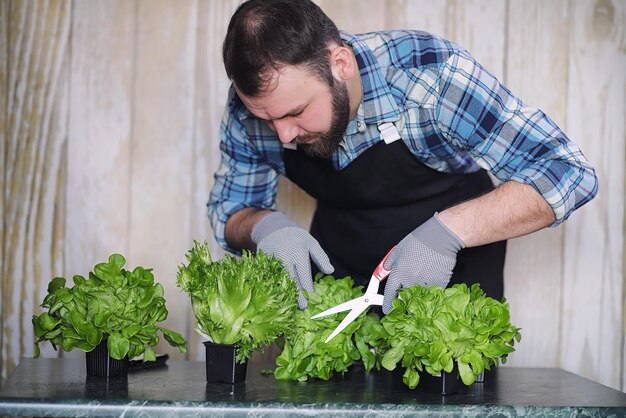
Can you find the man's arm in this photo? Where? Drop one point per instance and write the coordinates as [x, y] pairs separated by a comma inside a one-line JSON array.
[[238, 230], [478, 115], [427, 255], [511, 210], [245, 179]]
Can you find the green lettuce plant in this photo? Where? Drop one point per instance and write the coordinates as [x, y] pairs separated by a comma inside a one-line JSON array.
[[248, 301], [432, 329], [305, 353], [115, 304]]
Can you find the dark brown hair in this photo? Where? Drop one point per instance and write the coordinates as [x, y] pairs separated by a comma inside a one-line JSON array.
[[265, 35]]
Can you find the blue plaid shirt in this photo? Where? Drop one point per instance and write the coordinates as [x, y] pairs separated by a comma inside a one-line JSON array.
[[451, 113]]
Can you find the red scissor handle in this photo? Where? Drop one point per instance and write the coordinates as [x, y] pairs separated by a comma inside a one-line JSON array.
[[380, 272]]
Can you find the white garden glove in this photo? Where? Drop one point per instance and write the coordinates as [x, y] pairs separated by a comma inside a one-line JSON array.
[[424, 257], [275, 234]]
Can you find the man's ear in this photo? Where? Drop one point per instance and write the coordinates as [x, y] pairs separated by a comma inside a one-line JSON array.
[[342, 63]]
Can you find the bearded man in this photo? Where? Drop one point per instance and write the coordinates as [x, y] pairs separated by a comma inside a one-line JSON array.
[[393, 133]]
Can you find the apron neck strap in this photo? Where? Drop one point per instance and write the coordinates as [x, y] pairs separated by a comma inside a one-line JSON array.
[[388, 132]]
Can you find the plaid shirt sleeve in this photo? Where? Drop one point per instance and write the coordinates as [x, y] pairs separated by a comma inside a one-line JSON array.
[[476, 113], [243, 178]]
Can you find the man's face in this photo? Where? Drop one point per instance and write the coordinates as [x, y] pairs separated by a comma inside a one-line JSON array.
[[302, 109]]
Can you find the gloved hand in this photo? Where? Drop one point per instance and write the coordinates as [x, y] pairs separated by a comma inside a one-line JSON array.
[[275, 234], [424, 257]]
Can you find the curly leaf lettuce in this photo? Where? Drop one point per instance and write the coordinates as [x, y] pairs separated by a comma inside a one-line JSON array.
[[248, 301], [430, 329]]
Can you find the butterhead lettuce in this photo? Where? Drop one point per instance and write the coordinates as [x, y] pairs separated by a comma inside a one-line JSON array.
[[113, 304], [432, 329]]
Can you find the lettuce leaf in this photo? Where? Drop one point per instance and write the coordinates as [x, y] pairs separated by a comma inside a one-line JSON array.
[[98, 307], [305, 354], [431, 329], [248, 302]]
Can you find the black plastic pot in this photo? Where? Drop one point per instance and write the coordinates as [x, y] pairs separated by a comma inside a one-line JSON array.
[[221, 364], [446, 384], [100, 364]]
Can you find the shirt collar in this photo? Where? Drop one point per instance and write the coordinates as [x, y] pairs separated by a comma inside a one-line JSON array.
[[378, 103]]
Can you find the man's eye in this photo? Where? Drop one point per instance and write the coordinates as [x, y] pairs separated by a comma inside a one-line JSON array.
[[296, 114]]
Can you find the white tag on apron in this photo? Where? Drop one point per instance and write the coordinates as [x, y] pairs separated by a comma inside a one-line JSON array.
[[388, 132]]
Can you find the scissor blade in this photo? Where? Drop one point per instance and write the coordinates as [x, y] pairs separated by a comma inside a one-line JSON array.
[[338, 308], [352, 315]]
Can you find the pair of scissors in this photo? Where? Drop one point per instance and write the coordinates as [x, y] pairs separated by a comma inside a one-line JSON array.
[[358, 305]]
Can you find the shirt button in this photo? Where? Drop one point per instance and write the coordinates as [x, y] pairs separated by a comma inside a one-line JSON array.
[[360, 126]]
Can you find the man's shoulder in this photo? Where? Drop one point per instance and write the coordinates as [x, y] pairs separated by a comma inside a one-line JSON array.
[[409, 48], [234, 106], [409, 61]]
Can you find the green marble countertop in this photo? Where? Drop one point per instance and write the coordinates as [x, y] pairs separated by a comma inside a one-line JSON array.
[[59, 387]]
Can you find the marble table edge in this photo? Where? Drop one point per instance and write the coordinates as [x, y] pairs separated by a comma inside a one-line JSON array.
[[78, 407]]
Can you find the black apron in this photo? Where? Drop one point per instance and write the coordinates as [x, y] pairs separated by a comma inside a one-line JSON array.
[[379, 198]]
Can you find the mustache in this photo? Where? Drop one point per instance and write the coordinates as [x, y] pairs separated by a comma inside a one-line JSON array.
[[303, 139]]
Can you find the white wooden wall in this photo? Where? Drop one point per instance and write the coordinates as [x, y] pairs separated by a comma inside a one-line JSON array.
[[108, 120]]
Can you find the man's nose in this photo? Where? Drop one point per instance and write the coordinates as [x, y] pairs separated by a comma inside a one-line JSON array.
[[285, 130]]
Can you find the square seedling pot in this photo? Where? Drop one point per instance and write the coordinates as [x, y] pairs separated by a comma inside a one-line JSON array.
[[221, 364], [100, 364], [446, 383]]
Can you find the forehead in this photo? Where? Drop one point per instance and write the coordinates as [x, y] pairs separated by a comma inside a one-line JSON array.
[[287, 88]]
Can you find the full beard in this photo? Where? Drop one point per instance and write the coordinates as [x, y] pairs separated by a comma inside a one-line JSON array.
[[324, 145]]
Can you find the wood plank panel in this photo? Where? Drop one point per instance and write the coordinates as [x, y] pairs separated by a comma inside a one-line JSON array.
[[423, 15], [479, 26], [4, 114], [355, 17], [161, 195], [99, 148], [36, 129], [593, 309], [211, 89], [536, 71]]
